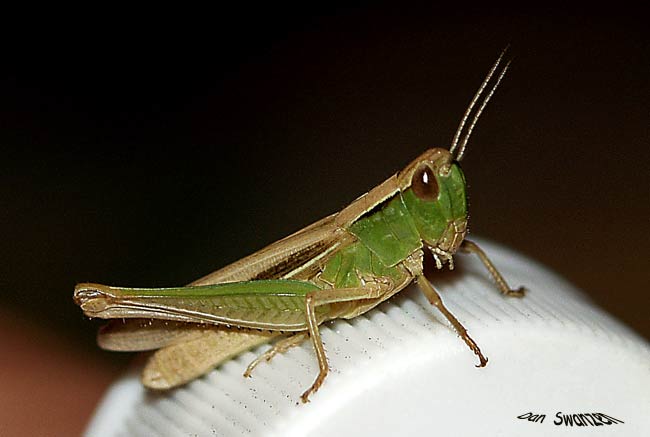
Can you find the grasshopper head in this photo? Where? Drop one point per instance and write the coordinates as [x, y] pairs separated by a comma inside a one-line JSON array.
[[433, 190], [433, 186]]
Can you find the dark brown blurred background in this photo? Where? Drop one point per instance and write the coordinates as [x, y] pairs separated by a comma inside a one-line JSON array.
[[147, 150]]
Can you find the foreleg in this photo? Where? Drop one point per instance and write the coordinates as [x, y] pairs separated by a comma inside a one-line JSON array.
[[502, 285]]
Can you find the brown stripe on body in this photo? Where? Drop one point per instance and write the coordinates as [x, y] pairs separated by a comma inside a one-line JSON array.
[[293, 262]]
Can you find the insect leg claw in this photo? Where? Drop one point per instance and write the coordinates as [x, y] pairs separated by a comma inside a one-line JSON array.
[[519, 292]]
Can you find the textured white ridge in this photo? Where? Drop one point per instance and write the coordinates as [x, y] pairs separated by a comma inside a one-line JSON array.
[[400, 370]]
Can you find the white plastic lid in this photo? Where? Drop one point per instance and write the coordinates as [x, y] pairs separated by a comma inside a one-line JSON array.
[[558, 365]]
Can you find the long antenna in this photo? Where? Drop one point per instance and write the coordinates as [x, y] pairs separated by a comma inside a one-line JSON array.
[[461, 150], [468, 111]]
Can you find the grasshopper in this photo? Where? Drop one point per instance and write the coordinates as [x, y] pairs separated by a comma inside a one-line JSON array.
[[339, 267]]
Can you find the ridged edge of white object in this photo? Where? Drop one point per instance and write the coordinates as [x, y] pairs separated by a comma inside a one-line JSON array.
[[402, 364]]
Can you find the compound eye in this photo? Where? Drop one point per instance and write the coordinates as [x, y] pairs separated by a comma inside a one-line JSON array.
[[424, 183]]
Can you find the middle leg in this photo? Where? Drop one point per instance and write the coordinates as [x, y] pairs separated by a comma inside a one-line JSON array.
[[279, 347], [324, 297]]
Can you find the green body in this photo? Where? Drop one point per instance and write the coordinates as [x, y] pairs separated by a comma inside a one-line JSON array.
[[385, 237]]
